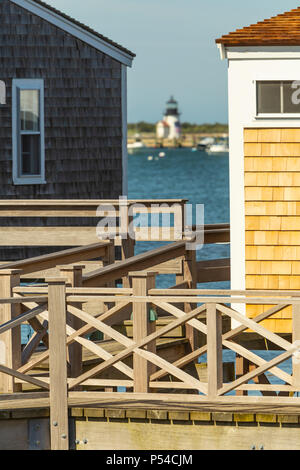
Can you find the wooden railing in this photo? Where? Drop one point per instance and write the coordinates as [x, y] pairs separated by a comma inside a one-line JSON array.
[[100, 266], [75, 234], [175, 259], [59, 310]]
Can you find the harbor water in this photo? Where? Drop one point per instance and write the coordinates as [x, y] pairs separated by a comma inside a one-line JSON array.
[[183, 174]]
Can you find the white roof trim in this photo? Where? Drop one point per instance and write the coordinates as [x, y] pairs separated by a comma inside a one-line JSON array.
[[262, 52], [222, 50], [76, 31]]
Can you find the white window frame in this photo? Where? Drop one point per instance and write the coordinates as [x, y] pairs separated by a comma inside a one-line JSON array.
[[258, 116], [26, 84]]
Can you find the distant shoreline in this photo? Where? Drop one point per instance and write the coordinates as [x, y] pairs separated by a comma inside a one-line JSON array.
[[186, 128], [187, 140]]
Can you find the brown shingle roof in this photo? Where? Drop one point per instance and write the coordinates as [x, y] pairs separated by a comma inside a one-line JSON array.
[[83, 26], [282, 30]]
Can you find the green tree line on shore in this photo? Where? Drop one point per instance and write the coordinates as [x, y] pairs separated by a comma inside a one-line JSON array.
[[187, 128]]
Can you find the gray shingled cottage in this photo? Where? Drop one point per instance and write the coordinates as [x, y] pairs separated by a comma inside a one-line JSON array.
[[63, 117], [63, 132]]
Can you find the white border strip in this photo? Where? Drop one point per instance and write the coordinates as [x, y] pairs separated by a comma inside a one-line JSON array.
[[77, 31]]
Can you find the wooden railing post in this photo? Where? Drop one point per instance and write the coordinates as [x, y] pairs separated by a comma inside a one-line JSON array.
[[142, 282], [108, 260], [214, 350], [126, 220], [58, 364], [109, 257], [10, 342], [127, 249], [296, 339], [179, 221], [73, 274], [190, 276]]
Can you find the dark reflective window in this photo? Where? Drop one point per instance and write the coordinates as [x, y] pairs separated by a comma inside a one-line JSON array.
[[30, 154], [278, 97], [268, 97]]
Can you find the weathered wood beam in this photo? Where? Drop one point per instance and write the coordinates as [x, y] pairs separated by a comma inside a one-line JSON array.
[[213, 270], [51, 260], [17, 321], [140, 262], [34, 342], [59, 426]]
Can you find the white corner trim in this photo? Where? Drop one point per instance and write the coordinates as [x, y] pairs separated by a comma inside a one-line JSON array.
[[76, 31], [222, 50], [124, 132]]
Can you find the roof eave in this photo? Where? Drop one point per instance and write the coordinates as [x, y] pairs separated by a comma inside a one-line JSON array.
[[252, 43], [257, 51], [76, 31]]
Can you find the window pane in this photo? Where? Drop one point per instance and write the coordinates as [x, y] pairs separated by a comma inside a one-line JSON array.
[[291, 98], [268, 97], [29, 108], [30, 155]]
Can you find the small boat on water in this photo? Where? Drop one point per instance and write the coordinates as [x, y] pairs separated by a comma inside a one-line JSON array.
[[201, 147], [137, 145], [221, 146], [204, 144], [218, 148]]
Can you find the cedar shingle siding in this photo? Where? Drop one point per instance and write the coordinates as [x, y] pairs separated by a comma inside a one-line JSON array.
[[83, 118]]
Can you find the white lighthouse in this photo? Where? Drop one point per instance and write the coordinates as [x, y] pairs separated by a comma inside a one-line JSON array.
[[169, 127]]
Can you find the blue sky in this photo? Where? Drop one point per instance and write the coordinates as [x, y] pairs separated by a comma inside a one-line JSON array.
[[176, 52]]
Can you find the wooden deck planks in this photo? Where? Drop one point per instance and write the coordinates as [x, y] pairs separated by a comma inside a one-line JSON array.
[[156, 401]]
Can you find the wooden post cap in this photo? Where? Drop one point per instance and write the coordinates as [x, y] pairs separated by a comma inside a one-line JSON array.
[[71, 267], [56, 280], [6, 272]]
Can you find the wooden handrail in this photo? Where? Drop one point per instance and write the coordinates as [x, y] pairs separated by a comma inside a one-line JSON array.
[[139, 262], [76, 202], [202, 295], [75, 290], [213, 233], [70, 208], [223, 226], [222, 292], [212, 236], [186, 299], [213, 270], [73, 255]]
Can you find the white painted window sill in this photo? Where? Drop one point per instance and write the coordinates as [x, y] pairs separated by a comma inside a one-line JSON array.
[[26, 181], [276, 116]]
